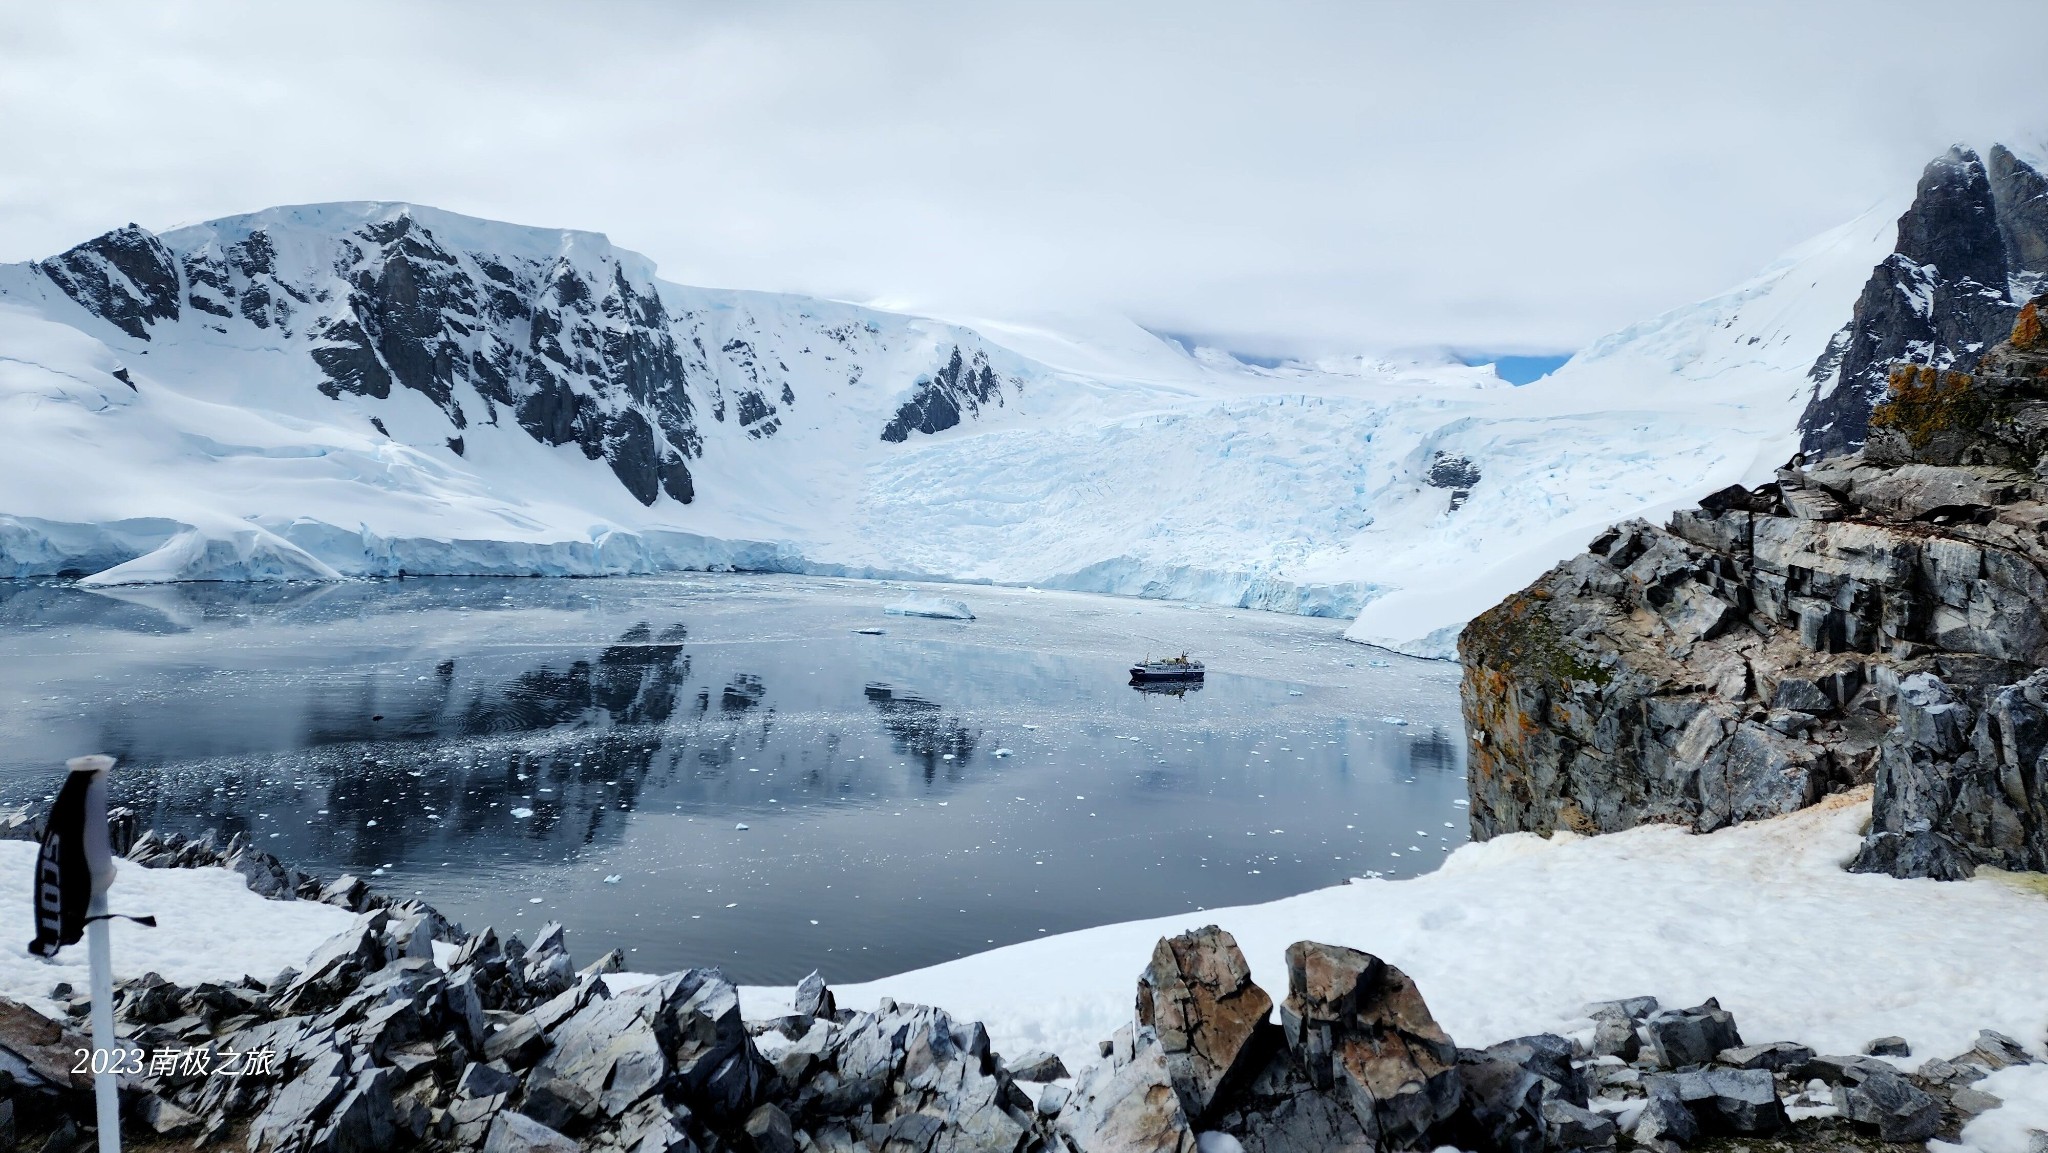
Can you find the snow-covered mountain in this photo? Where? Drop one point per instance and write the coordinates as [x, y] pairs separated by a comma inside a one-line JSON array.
[[369, 389]]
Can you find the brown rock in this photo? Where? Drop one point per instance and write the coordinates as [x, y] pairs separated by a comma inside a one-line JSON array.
[[41, 1047], [1359, 1026], [1212, 1021]]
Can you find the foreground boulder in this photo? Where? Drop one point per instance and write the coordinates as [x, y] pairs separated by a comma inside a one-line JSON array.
[[1359, 1026], [1881, 617], [1211, 1020]]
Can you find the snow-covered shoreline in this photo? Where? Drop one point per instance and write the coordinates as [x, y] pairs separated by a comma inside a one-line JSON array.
[[1510, 937]]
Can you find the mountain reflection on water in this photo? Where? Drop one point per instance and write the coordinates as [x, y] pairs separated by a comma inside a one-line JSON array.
[[768, 789]]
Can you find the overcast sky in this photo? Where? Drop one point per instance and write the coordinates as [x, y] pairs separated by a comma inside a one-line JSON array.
[[1293, 178]]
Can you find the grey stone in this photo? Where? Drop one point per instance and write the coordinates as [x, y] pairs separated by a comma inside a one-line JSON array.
[[1052, 1099], [1198, 997], [1778, 1056], [1801, 695], [518, 1043], [1130, 1107], [769, 1130], [1550, 1058], [265, 875], [1970, 1102], [347, 891], [465, 1004], [516, 1133], [1898, 1110], [1614, 1035], [814, 998], [365, 1119], [700, 1029], [1665, 1118], [1936, 1071], [1889, 1047], [1037, 1066], [164, 1118], [1681, 1037], [1501, 1106], [613, 961], [1306, 1122], [1998, 1051], [561, 1104], [610, 1051], [1630, 1008], [1742, 1101], [1838, 1070], [1359, 1026], [1568, 1126], [301, 1104]]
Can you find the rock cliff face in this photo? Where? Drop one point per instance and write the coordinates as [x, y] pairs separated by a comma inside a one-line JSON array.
[[1879, 616], [1972, 248]]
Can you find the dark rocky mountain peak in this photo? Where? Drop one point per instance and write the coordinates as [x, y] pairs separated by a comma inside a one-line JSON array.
[[1972, 248], [126, 276]]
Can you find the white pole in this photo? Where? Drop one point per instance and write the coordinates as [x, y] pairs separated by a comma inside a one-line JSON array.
[[99, 945]]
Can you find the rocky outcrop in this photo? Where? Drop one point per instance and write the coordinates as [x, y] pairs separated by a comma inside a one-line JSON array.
[[1455, 472], [1972, 248], [1877, 617], [960, 387]]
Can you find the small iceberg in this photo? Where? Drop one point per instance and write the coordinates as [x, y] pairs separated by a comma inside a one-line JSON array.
[[869, 632], [1005, 753], [613, 879], [521, 814], [921, 605], [1394, 720], [740, 828]]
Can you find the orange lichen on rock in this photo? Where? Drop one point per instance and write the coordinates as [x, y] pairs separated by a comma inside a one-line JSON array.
[[1925, 401], [2026, 328]]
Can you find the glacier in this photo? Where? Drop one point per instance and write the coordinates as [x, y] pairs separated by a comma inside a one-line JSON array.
[[378, 390]]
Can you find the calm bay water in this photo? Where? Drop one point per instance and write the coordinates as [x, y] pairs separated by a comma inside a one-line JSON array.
[[587, 751]]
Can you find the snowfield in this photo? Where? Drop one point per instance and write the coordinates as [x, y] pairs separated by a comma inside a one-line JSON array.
[[1106, 460], [1509, 937]]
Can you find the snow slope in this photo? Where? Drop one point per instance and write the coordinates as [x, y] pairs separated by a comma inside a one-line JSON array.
[[365, 389]]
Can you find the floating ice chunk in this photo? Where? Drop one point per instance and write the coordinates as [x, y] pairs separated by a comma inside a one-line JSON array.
[[1394, 720], [533, 900], [923, 605], [740, 828], [612, 879], [517, 814], [870, 632], [1293, 692], [1005, 752]]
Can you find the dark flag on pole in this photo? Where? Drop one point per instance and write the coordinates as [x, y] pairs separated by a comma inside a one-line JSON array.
[[63, 875]]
